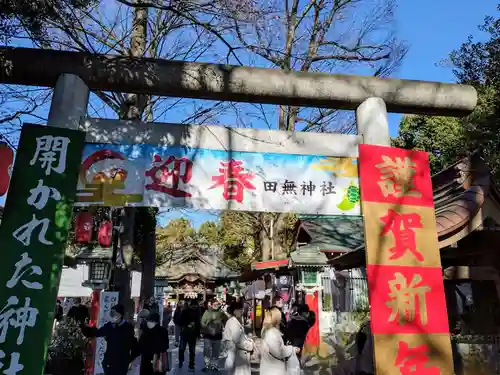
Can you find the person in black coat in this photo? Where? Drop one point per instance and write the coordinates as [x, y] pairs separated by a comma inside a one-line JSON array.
[[79, 311], [59, 311], [154, 340], [190, 324], [299, 324], [177, 321], [121, 345]]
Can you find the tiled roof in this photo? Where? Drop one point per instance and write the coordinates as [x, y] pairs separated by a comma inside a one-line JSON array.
[[308, 255], [333, 233], [459, 194], [190, 260]]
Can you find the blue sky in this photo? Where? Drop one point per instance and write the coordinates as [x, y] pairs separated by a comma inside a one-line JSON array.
[[432, 29]]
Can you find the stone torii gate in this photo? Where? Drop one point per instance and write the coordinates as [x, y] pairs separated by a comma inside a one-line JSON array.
[[74, 74]]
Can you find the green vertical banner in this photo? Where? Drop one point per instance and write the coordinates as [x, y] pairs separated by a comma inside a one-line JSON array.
[[33, 238]]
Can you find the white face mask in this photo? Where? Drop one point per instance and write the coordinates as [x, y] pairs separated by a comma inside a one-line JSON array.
[[151, 324]]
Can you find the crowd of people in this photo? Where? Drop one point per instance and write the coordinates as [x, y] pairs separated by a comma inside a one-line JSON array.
[[221, 326]]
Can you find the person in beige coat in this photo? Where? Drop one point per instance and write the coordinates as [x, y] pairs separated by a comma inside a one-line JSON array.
[[238, 346], [274, 354]]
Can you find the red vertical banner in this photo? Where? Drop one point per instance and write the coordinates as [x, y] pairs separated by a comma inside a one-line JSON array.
[[409, 320], [94, 317], [313, 337]]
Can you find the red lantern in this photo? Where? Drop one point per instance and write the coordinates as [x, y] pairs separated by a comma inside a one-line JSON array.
[[6, 160], [104, 234], [83, 228]]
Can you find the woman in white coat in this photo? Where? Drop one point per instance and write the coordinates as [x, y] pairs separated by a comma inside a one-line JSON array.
[[238, 346], [274, 354]]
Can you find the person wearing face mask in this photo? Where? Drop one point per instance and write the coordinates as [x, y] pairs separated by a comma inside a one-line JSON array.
[[153, 344], [212, 325], [121, 345], [142, 316], [239, 347]]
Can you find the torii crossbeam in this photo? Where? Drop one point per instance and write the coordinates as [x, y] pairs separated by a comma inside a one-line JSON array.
[[37, 67]]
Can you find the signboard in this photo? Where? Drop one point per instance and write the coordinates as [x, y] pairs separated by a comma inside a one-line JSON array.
[[33, 237], [106, 302], [407, 301], [309, 277], [147, 175]]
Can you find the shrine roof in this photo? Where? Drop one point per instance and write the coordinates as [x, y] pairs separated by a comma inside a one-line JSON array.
[[195, 260], [331, 234], [464, 195], [308, 256]]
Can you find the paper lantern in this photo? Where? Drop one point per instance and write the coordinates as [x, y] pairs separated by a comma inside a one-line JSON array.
[[6, 160], [104, 234], [83, 227]]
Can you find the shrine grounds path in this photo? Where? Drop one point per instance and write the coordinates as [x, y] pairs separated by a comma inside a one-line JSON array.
[[310, 368]]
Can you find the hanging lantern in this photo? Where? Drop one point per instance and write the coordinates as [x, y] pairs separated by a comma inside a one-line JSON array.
[[6, 160], [104, 234], [83, 227], [99, 271]]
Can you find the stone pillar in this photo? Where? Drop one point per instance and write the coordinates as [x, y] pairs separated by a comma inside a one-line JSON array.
[[372, 123], [69, 102]]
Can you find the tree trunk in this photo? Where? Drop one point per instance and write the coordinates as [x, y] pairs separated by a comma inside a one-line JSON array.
[[146, 245], [132, 109], [122, 271], [265, 245], [278, 229], [134, 104]]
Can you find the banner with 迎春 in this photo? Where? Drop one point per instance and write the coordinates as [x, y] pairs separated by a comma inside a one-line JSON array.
[[409, 320], [149, 175]]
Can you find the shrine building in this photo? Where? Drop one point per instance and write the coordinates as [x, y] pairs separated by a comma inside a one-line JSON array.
[[195, 272]]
